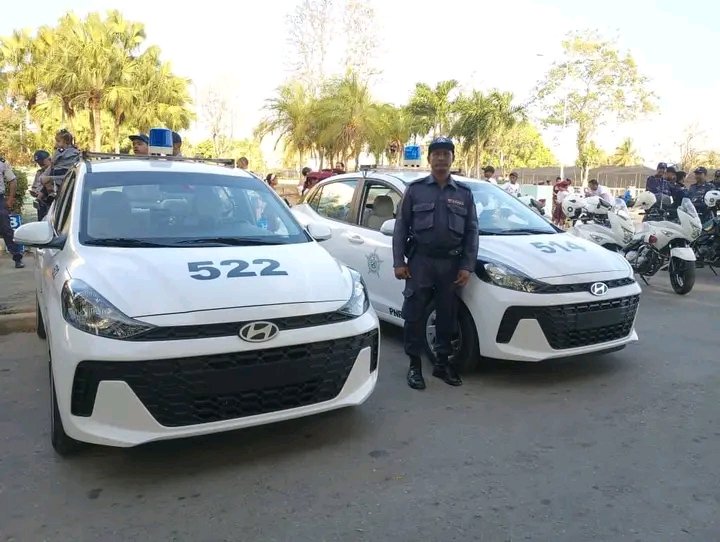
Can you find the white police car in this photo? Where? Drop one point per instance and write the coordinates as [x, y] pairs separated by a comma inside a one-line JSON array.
[[537, 293], [181, 298]]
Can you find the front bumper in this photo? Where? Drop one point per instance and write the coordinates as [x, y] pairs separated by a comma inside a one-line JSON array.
[[520, 326], [137, 392]]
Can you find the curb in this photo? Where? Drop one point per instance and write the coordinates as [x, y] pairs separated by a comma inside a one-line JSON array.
[[20, 322]]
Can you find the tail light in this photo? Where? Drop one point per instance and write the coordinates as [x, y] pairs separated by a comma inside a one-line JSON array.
[[652, 239]]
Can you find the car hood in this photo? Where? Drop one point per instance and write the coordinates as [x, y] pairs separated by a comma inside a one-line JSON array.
[[550, 256], [155, 281]]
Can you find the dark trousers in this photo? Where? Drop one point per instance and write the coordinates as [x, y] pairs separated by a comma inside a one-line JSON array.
[[7, 232], [432, 278], [42, 209]]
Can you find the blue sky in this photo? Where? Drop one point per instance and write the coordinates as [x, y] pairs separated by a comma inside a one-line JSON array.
[[241, 48]]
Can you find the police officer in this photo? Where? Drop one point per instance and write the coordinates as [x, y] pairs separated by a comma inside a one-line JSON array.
[[697, 192], [437, 231], [37, 190], [6, 204]]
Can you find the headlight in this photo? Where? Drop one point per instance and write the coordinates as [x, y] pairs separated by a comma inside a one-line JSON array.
[[507, 277], [85, 309], [359, 301]]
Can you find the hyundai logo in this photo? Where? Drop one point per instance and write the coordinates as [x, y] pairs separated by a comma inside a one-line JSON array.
[[257, 332], [599, 288]]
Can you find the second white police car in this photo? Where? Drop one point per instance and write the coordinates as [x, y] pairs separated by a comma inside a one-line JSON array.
[[182, 298], [537, 293]]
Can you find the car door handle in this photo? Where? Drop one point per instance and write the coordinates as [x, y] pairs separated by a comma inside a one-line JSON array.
[[355, 239]]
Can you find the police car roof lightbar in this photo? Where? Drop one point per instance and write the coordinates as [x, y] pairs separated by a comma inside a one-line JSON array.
[[88, 156]]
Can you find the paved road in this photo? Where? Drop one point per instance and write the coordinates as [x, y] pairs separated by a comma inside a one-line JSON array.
[[619, 448]]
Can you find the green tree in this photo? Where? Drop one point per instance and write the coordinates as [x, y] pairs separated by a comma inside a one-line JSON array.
[[481, 117], [291, 115], [592, 85], [626, 155], [592, 156], [521, 147], [432, 108]]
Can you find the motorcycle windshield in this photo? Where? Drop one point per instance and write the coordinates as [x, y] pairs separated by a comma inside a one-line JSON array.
[[689, 208], [620, 204]]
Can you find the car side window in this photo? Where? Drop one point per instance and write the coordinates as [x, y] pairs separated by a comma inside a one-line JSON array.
[[61, 202], [335, 200], [379, 204], [63, 223], [314, 198]]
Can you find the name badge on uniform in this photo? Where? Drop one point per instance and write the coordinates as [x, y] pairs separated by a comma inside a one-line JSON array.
[[456, 202]]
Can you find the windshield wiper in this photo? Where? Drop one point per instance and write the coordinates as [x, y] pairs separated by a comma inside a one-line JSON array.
[[123, 242], [227, 241]]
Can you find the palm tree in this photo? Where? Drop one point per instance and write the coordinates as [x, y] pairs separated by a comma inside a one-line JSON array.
[[432, 108], [291, 117], [626, 155], [392, 130], [481, 117], [349, 117]]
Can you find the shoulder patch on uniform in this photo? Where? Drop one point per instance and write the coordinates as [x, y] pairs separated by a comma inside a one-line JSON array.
[[419, 180], [462, 185]]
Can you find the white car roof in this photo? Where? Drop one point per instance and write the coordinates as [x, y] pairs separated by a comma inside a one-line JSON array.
[[405, 176], [152, 164]]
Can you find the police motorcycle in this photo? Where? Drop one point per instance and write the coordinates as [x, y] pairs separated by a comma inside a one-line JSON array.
[[600, 222], [707, 245], [654, 245]]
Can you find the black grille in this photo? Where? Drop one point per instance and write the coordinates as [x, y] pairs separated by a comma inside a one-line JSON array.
[[573, 326], [581, 287], [229, 329], [202, 389]]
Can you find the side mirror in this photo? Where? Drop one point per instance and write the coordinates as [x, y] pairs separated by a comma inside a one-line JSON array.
[[40, 235], [319, 232], [388, 227]]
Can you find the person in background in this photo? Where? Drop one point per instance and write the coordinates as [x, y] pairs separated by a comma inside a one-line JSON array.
[[696, 192], [243, 163], [272, 181], [65, 157], [141, 144], [7, 202], [677, 188], [658, 184], [339, 168], [596, 189], [42, 159], [302, 187], [512, 187], [560, 190], [177, 144], [716, 179], [489, 174]]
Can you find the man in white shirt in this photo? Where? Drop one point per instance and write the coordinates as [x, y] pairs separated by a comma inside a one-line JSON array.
[[512, 188], [595, 189]]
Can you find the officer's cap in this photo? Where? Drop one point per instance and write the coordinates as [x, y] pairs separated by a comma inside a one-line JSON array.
[[141, 137], [700, 170], [41, 155], [177, 140], [662, 165], [441, 143]]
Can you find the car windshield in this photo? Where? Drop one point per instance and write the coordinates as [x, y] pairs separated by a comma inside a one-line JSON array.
[[499, 213], [146, 209]]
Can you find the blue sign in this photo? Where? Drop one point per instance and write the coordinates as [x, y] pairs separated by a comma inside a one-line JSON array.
[[412, 152], [15, 223]]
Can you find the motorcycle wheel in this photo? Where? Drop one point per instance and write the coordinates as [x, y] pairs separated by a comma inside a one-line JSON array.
[[682, 275]]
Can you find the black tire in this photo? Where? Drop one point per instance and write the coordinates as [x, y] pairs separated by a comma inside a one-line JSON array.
[[61, 442], [466, 357], [682, 275], [39, 324]]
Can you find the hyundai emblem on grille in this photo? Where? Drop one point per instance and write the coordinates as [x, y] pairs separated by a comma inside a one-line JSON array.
[[598, 288], [257, 332]]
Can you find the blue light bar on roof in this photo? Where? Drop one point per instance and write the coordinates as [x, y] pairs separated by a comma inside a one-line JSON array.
[[160, 141]]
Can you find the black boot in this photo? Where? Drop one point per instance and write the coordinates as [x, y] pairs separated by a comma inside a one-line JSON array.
[[445, 371], [414, 377]]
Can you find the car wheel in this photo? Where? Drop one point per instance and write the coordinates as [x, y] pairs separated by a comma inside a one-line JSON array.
[[61, 442], [39, 324], [466, 350]]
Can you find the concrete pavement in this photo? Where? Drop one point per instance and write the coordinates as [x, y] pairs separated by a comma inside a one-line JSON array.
[[616, 448]]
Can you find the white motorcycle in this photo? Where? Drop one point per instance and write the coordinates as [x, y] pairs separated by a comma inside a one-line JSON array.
[[601, 222], [650, 247]]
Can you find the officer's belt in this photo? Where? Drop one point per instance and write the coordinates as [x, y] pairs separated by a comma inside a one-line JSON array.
[[440, 253]]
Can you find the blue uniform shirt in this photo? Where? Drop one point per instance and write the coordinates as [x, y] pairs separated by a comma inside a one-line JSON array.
[[658, 186], [439, 218]]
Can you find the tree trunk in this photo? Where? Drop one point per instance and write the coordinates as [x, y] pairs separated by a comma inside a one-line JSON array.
[[96, 125], [477, 159], [116, 136]]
